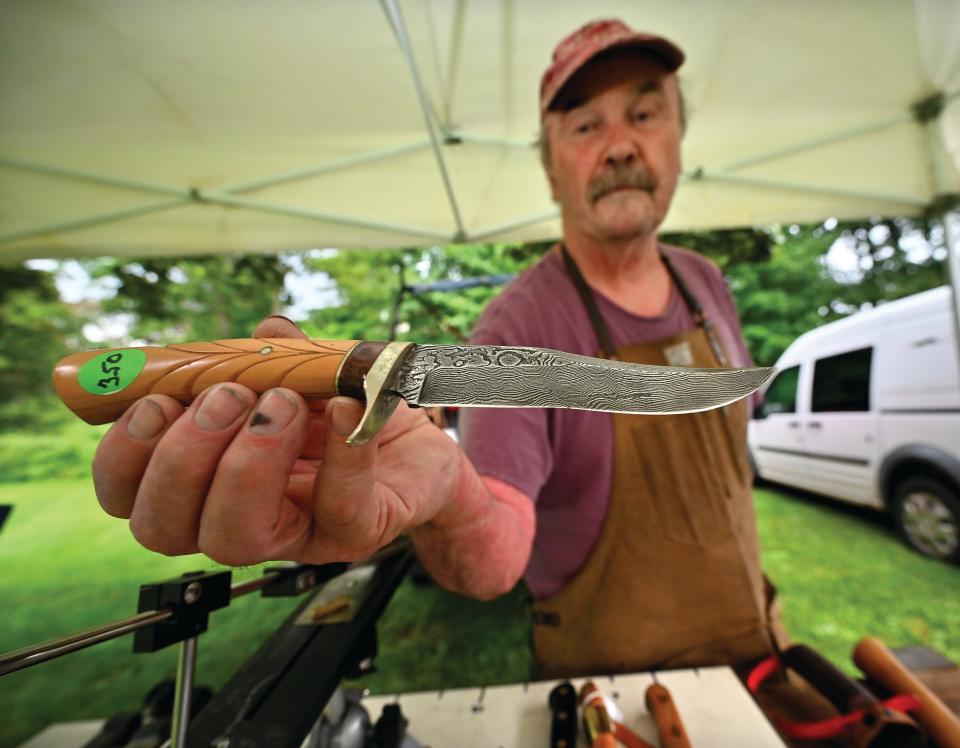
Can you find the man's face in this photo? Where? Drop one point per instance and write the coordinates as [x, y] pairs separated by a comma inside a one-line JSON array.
[[614, 143]]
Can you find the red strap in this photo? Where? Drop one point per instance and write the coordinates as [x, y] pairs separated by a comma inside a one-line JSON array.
[[827, 728], [761, 671]]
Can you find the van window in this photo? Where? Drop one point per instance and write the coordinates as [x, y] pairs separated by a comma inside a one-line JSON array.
[[781, 395], [842, 383]]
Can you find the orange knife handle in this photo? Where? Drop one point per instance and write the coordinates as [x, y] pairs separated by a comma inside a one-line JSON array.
[[100, 385], [881, 665], [664, 711]]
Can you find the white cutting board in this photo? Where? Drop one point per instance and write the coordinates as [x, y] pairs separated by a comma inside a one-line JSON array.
[[715, 708]]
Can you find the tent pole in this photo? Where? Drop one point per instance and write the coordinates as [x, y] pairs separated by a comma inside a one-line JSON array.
[[392, 10], [492, 231], [85, 176], [95, 220], [453, 70], [506, 61], [291, 210], [522, 145], [816, 143], [928, 113], [952, 238], [699, 175], [325, 168]]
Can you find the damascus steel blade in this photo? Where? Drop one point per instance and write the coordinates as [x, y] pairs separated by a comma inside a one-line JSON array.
[[505, 377]]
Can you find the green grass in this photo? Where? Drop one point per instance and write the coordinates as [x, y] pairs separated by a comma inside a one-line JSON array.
[[66, 566], [843, 574], [61, 448]]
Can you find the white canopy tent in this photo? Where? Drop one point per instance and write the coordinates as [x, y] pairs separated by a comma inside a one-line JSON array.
[[159, 128]]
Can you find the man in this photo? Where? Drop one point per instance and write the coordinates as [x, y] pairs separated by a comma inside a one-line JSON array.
[[645, 551]]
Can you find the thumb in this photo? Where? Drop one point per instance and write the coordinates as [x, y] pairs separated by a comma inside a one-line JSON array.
[[344, 501], [277, 326]]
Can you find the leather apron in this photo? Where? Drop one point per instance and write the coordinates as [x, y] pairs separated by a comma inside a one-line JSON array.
[[675, 578]]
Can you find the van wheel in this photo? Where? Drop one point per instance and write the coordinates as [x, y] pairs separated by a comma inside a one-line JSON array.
[[927, 512]]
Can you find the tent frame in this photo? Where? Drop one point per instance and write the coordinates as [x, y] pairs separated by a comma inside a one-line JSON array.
[[441, 133]]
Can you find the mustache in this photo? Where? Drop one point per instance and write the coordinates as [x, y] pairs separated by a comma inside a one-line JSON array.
[[633, 177]]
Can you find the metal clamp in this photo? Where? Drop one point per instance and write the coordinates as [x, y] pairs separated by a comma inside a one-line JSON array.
[[290, 581], [190, 597]]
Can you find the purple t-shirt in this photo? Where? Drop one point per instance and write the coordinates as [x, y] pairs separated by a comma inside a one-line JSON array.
[[564, 458]]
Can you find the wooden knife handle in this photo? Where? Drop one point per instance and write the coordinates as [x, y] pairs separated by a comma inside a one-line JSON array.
[[100, 385], [664, 711], [833, 684], [877, 662]]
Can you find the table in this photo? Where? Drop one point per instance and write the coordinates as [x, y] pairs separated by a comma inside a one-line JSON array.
[[715, 708]]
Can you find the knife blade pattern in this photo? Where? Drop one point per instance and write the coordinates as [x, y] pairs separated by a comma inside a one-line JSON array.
[[499, 376]]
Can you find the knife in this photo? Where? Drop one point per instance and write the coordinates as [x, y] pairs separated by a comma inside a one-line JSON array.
[[100, 385]]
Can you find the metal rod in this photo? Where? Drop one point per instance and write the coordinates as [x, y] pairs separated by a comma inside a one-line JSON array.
[[85, 176], [289, 210], [520, 223], [944, 178], [453, 71], [95, 220], [325, 168], [393, 548], [186, 668], [952, 239], [392, 9], [506, 65], [702, 176], [522, 145], [810, 145], [245, 588], [24, 658], [444, 115]]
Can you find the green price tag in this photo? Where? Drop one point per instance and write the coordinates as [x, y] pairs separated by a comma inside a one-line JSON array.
[[111, 372]]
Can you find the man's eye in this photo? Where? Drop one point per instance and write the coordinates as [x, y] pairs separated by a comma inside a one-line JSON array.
[[583, 127], [642, 115]]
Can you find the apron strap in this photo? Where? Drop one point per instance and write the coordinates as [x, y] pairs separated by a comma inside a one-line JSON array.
[[590, 304], [700, 317], [696, 310]]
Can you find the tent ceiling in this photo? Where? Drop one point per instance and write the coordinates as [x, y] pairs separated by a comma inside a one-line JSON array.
[[156, 128]]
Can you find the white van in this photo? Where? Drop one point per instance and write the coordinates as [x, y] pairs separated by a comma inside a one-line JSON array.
[[867, 410]]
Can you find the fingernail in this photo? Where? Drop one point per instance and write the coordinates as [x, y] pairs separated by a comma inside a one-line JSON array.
[[147, 421], [274, 411], [218, 409], [345, 417]]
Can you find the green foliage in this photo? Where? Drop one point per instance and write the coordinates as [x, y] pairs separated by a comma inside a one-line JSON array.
[[782, 298], [885, 269], [196, 298], [727, 247], [369, 282], [37, 329], [784, 286]]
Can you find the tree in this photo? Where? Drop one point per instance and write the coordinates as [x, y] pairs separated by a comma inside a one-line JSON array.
[[38, 329], [368, 285], [195, 298]]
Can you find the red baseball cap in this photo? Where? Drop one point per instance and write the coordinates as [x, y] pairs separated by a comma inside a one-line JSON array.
[[588, 41]]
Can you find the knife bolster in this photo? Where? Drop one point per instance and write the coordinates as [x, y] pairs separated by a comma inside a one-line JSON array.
[[354, 368]]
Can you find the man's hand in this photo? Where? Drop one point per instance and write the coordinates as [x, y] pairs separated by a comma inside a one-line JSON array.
[[246, 479]]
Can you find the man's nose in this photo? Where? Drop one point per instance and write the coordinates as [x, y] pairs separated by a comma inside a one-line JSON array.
[[622, 147]]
